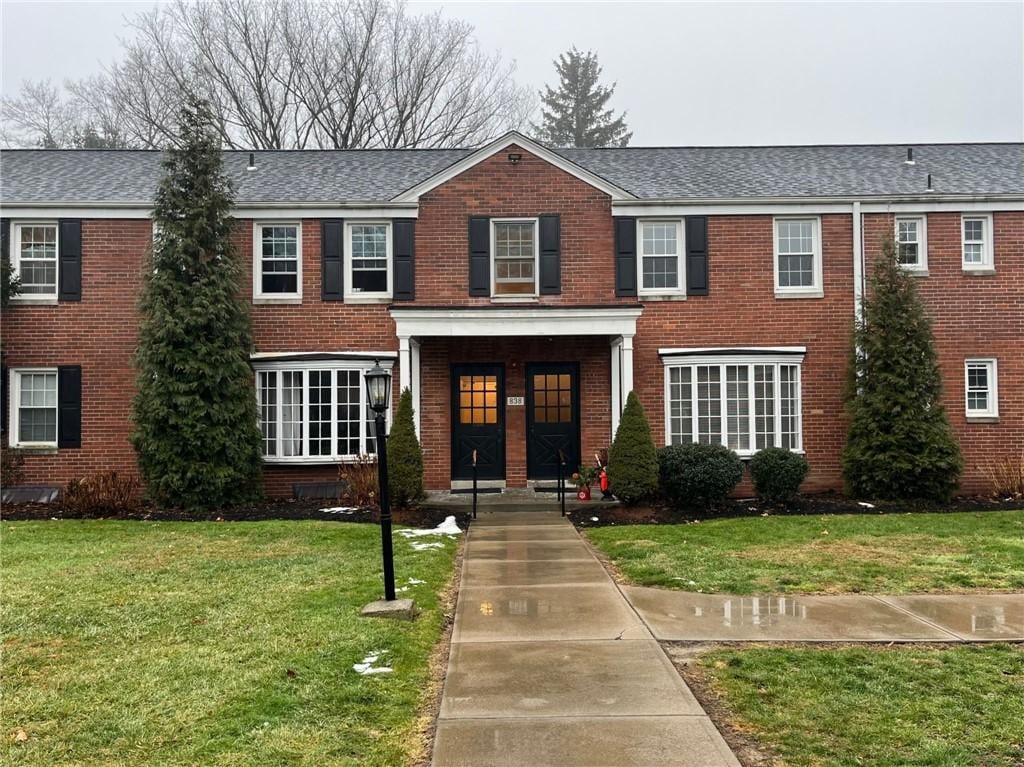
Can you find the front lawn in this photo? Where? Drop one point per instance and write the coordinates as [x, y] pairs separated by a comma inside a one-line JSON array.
[[210, 644], [885, 707], [893, 554]]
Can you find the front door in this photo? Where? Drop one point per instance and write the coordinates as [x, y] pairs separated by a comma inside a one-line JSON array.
[[478, 421], [552, 419]]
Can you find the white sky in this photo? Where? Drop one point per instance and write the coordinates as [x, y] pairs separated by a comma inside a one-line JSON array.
[[693, 73]]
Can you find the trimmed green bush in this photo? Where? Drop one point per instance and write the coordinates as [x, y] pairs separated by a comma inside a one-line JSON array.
[[405, 459], [698, 475], [633, 459], [777, 473]]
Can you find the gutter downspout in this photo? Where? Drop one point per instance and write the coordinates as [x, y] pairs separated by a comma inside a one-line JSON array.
[[858, 262]]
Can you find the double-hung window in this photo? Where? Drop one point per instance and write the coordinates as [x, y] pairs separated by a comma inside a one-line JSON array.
[[368, 260], [314, 412], [912, 243], [660, 245], [976, 234], [515, 248], [982, 389], [746, 403], [34, 246], [34, 407], [277, 261], [798, 267]]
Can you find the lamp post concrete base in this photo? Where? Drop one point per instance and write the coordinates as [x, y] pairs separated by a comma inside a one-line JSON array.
[[397, 609]]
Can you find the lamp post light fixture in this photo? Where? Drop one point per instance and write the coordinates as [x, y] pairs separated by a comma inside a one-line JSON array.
[[378, 394]]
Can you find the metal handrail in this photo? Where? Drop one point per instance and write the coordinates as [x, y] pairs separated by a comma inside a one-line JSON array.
[[474, 484], [561, 480]]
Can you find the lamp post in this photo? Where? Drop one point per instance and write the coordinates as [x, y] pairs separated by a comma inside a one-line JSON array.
[[378, 393]]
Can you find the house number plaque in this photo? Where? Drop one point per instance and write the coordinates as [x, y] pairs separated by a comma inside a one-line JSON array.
[[515, 401]]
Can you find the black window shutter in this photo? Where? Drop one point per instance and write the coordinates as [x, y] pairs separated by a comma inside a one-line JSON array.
[[69, 406], [479, 256], [5, 238], [332, 231], [5, 392], [696, 255], [625, 256], [403, 236], [70, 256], [550, 256]]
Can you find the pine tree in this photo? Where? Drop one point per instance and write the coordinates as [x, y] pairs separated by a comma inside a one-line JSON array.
[[899, 444], [574, 115], [633, 459], [196, 432], [405, 459]]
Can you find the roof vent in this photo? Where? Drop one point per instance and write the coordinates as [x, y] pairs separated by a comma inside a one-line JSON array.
[[252, 161], [910, 156], [929, 187]]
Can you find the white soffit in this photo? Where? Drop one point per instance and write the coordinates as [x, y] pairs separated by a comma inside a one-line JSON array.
[[468, 323]]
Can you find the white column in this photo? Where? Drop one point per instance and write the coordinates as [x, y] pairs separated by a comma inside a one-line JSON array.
[[627, 367], [404, 365], [414, 370], [616, 348]]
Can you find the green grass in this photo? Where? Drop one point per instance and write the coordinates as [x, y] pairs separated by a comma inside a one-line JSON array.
[[885, 707], [132, 643], [893, 554]]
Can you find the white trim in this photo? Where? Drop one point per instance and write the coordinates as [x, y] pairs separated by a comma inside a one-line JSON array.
[[352, 295], [752, 206], [254, 211], [992, 366], [733, 359], [857, 220], [988, 248], [733, 350], [340, 211], [258, 296], [656, 209], [817, 287], [680, 289], [15, 257], [966, 205], [512, 297], [14, 407], [503, 142], [264, 358], [921, 267], [448, 323]]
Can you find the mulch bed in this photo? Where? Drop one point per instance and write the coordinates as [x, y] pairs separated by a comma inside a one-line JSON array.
[[824, 503], [269, 509]]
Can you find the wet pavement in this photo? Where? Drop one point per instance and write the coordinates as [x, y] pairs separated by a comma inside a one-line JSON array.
[[550, 665]]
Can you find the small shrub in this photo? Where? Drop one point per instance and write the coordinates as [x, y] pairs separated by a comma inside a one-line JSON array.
[[698, 475], [633, 459], [1007, 476], [100, 494], [777, 474], [12, 466], [361, 486], [405, 459]]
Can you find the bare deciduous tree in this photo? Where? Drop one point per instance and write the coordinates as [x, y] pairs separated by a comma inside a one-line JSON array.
[[285, 74]]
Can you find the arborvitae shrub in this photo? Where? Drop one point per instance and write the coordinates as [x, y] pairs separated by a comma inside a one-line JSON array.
[[405, 459], [899, 443], [633, 459], [698, 475], [777, 474]]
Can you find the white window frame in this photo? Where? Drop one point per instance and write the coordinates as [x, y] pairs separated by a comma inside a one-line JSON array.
[[987, 243], [15, 251], [992, 366], [351, 294], [921, 267], [816, 288], [680, 289], [748, 360], [536, 260], [258, 295], [14, 408], [285, 366]]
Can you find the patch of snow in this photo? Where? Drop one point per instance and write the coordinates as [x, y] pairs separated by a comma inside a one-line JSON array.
[[367, 668], [448, 527], [415, 581], [865, 504], [594, 519], [339, 510], [418, 546]]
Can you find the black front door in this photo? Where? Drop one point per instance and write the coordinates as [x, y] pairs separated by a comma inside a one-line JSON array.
[[478, 421], [552, 418]]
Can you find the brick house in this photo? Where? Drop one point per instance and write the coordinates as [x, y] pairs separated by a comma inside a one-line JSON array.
[[522, 292]]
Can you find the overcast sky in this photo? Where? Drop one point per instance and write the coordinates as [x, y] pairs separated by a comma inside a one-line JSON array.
[[693, 73]]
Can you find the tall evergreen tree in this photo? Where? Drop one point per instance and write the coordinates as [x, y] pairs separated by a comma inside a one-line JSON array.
[[633, 459], [575, 114], [196, 432], [899, 444], [405, 458]]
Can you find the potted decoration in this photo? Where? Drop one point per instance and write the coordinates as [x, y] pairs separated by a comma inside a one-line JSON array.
[[584, 478]]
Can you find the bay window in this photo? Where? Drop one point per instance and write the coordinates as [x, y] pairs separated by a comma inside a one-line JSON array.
[[745, 402]]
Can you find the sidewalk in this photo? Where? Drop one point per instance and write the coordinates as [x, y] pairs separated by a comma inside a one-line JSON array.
[[551, 666]]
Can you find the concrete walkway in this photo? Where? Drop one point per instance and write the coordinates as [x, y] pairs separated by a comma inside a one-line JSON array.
[[551, 666]]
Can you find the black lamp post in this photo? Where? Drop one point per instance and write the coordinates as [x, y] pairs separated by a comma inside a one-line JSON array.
[[378, 393]]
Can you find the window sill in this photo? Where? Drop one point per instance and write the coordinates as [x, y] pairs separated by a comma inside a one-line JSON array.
[[986, 271], [311, 461], [23, 301], [355, 298], [515, 299], [662, 297], [799, 293], [35, 449], [282, 301], [982, 419], [915, 272]]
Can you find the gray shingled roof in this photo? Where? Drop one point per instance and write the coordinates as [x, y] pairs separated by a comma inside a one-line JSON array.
[[124, 176]]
